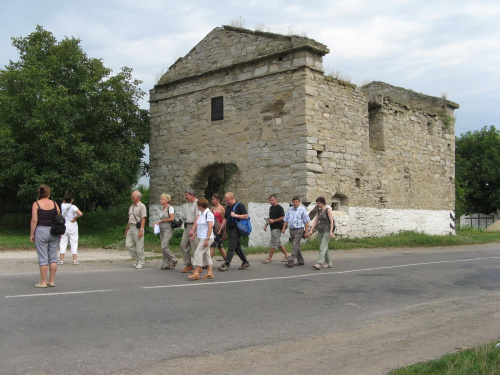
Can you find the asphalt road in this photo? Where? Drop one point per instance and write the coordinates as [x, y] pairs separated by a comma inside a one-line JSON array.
[[125, 320]]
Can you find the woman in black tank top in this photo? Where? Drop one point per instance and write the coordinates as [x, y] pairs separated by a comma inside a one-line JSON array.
[[43, 212]]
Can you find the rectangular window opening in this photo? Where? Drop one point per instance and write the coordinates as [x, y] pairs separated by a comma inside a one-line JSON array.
[[217, 110], [376, 127]]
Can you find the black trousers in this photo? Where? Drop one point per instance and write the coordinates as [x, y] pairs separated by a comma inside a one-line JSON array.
[[234, 246]]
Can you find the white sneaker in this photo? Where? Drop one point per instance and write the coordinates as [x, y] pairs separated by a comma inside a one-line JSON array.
[[139, 266], [134, 265]]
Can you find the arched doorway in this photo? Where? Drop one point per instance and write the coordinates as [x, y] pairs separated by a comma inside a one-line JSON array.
[[216, 178]]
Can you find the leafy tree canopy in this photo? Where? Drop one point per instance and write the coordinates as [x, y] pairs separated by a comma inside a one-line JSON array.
[[67, 122], [478, 171]]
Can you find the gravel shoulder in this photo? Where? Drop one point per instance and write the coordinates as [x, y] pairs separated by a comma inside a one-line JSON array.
[[385, 342], [381, 345]]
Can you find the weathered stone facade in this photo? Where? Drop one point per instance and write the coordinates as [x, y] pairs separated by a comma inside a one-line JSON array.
[[382, 155]]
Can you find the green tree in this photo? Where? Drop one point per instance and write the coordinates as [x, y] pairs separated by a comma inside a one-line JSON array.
[[66, 121], [478, 171]]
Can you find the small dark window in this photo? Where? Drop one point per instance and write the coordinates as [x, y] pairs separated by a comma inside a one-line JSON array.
[[376, 126], [218, 108]]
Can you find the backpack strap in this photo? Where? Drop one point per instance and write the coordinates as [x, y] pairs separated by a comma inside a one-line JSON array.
[[66, 210], [234, 210], [334, 225], [133, 213]]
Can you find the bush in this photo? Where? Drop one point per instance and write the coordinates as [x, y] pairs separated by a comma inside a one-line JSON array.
[[100, 220]]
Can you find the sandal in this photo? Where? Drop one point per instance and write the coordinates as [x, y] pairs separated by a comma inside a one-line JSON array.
[[76, 263], [285, 259], [40, 286], [266, 261], [208, 277], [328, 265], [163, 268], [51, 285], [317, 266], [193, 277], [173, 264]]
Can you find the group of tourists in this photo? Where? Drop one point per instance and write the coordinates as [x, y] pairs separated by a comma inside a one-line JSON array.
[[205, 229]]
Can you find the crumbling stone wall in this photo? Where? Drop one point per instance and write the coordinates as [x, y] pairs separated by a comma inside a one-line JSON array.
[[382, 155], [263, 132], [413, 169]]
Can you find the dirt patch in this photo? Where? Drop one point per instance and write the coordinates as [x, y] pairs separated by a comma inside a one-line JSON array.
[[495, 227], [382, 344]]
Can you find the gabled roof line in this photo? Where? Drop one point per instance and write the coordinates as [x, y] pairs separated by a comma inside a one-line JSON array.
[[296, 40]]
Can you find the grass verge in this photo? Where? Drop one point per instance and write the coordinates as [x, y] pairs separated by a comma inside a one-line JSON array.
[[18, 239], [482, 360]]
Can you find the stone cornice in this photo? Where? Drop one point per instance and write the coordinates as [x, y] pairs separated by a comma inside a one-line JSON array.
[[233, 66]]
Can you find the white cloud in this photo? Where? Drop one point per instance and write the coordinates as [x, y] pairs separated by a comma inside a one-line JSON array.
[[430, 47]]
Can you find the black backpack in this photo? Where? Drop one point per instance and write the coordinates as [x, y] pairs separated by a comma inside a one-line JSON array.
[[58, 225]]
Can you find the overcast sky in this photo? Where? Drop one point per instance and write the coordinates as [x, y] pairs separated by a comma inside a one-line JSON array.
[[433, 47]]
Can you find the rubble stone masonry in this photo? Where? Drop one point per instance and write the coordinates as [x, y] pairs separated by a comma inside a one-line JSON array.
[[382, 156]]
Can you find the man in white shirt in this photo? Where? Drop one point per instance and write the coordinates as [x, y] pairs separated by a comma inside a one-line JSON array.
[[298, 220]]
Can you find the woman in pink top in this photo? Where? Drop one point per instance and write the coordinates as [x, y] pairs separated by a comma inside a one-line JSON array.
[[218, 212]]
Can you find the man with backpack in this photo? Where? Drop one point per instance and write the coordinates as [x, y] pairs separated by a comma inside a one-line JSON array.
[[235, 211]]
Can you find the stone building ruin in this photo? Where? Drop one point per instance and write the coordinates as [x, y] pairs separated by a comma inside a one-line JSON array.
[[253, 113]]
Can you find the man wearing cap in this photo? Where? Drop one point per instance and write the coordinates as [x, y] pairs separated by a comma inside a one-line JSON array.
[[189, 242]]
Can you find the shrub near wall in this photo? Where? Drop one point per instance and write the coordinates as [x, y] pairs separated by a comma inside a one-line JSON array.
[[101, 220], [116, 216]]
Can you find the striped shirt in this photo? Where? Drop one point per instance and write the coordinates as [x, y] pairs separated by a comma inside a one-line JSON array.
[[296, 217]]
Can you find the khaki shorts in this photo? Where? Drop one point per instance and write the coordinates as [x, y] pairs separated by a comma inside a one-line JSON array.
[[275, 238]]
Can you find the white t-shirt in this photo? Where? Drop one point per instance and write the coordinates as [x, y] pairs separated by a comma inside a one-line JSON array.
[[165, 215], [70, 227], [202, 224]]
